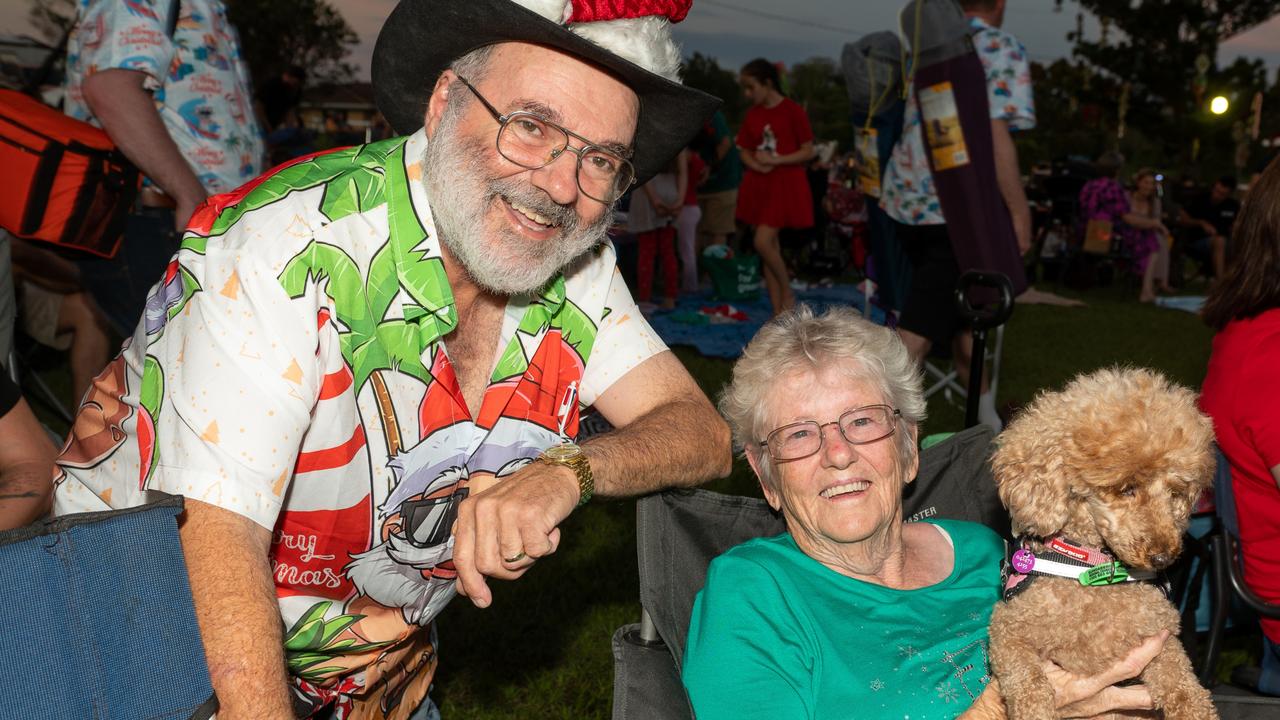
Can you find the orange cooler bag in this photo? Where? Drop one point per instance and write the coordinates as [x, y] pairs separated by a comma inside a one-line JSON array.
[[63, 180]]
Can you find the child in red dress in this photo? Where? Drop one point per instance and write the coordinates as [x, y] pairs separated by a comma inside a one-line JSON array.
[[775, 144]]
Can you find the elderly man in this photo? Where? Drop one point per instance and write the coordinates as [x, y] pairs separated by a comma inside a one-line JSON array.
[[364, 372]]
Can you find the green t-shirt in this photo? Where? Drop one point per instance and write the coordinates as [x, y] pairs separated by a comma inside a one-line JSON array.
[[725, 173], [775, 634]]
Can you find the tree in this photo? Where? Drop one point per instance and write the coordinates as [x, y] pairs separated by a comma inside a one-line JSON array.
[[275, 34], [818, 85], [1155, 46], [704, 73]]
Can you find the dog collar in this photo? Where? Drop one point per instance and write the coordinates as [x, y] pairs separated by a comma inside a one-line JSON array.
[[1092, 567]]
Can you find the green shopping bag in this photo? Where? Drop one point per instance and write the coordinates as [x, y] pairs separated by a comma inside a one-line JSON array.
[[734, 278]]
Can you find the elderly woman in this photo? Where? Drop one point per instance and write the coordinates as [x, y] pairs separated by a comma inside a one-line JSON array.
[[851, 612]]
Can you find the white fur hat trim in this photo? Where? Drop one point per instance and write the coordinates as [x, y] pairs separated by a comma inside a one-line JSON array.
[[645, 41]]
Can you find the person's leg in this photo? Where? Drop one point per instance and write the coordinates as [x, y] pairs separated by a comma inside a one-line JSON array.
[[1148, 292], [918, 346], [775, 268], [1161, 262], [8, 301], [90, 345], [929, 314], [962, 356], [687, 236], [670, 271], [646, 244]]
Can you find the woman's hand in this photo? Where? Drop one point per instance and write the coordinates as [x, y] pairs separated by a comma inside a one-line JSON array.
[[1077, 696], [1083, 697]]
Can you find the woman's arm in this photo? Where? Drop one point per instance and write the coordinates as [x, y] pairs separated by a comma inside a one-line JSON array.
[[1077, 696], [799, 157], [752, 160]]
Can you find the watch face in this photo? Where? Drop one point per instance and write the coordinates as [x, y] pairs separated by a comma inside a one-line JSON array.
[[563, 452]]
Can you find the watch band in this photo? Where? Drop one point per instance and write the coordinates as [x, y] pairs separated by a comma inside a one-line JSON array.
[[572, 457]]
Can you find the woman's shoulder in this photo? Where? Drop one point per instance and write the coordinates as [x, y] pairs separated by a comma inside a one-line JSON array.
[[970, 538]]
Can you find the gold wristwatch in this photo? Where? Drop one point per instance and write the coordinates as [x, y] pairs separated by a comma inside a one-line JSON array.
[[572, 457]]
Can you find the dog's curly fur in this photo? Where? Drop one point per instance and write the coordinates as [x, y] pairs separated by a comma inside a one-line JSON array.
[[1116, 460]]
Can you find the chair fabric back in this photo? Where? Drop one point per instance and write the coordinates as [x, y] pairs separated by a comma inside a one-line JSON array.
[[100, 622]]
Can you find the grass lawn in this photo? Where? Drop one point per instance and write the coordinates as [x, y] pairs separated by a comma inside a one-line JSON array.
[[542, 649]]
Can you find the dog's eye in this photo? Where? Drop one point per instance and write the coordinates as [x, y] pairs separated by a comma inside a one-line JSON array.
[[1129, 491]]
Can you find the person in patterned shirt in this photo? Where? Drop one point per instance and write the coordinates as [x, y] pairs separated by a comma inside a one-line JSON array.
[[365, 370], [909, 196], [166, 81]]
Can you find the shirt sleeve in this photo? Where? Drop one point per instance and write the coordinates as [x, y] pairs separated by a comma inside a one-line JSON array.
[[745, 656], [1008, 72], [1259, 421], [234, 375], [132, 37], [623, 341]]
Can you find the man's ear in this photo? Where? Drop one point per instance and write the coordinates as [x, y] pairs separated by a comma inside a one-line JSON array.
[[754, 459], [438, 101]]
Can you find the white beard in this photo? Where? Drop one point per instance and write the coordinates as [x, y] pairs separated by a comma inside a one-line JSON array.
[[504, 263]]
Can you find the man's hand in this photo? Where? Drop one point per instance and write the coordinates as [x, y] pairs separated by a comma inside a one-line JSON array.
[[500, 532], [1022, 231]]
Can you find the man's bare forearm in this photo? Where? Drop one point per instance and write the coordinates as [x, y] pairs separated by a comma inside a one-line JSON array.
[[1009, 178], [679, 444], [237, 611], [128, 114]]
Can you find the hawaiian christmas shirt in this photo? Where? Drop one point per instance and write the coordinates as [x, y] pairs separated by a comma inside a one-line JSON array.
[[908, 194], [291, 367], [198, 79]]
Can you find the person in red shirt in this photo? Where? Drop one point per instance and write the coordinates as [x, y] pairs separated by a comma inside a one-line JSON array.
[[776, 143], [1241, 393]]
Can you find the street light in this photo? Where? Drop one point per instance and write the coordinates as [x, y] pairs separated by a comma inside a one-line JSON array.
[[1218, 105]]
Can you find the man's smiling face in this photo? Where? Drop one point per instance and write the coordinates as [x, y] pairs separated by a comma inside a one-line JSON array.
[[512, 228]]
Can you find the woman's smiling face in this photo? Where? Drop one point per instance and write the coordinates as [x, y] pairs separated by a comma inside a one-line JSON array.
[[844, 493]]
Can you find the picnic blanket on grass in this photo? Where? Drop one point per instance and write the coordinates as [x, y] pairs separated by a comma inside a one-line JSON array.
[[725, 338]]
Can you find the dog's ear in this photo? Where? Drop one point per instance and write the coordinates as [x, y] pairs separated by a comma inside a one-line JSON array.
[[1031, 476]]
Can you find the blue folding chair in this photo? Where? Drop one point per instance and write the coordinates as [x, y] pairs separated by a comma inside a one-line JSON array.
[[99, 621]]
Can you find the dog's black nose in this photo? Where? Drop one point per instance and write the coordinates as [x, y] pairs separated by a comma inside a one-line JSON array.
[[1161, 561]]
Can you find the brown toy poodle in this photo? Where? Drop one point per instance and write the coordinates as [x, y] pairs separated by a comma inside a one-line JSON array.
[[1099, 479]]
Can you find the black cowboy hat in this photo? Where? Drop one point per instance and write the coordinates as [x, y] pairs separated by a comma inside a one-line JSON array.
[[421, 38]]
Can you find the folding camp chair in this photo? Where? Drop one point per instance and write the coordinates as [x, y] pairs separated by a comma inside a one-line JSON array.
[[1227, 582], [680, 532], [100, 622]]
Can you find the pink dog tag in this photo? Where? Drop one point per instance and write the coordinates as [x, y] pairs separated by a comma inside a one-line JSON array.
[[1023, 561]]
